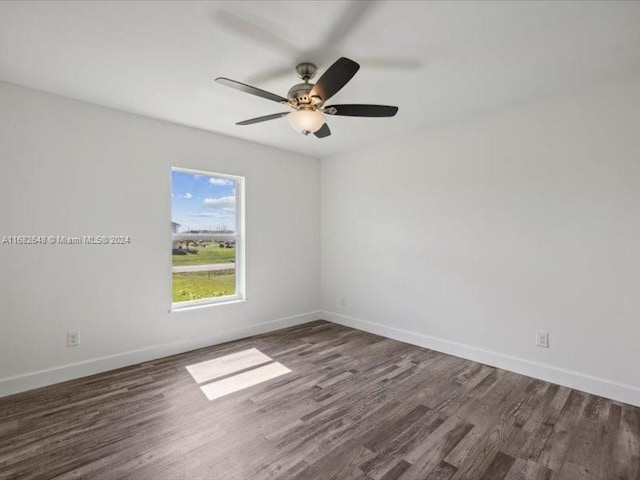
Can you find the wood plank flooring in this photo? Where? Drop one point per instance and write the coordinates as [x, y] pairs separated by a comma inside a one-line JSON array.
[[354, 406]]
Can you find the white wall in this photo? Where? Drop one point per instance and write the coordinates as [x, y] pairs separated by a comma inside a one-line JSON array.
[[70, 168], [470, 237], [465, 238]]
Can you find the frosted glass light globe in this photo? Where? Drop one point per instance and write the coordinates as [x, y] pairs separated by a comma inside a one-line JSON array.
[[306, 121]]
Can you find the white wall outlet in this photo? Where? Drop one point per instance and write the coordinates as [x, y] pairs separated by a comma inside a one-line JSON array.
[[343, 301], [542, 339], [73, 338]]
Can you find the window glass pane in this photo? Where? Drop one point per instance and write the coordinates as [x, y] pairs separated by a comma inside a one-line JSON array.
[[203, 225]]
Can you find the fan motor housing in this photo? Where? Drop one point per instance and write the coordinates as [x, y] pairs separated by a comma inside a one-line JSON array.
[[300, 93], [299, 96]]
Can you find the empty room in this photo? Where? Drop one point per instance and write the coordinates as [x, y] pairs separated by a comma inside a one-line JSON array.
[[320, 240]]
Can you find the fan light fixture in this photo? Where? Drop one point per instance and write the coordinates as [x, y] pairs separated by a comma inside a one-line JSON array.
[[306, 121], [308, 99]]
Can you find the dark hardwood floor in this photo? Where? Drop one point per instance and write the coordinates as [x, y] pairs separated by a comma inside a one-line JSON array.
[[354, 406]]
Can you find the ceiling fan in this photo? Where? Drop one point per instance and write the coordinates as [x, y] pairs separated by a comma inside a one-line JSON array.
[[308, 99]]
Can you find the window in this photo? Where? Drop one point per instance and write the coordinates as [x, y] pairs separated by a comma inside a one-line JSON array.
[[207, 254]]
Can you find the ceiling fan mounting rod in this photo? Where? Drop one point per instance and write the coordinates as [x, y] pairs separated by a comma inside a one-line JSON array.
[[298, 96]]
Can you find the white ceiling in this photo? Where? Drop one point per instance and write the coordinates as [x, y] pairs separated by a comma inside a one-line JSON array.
[[438, 61]]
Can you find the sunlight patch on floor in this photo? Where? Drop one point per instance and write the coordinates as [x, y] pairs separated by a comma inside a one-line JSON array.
[[235, 372], [244, 380], [219, 367]]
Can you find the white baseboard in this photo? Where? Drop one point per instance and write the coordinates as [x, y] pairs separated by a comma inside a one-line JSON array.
[[579, 381], [49, 376]]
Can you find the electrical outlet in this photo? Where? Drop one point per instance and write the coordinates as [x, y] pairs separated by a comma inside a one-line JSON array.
[[343, 301], [73, 338], [542, 339]]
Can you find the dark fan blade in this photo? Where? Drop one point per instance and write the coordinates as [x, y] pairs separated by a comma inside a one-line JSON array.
[[336, 77], [262, 119], [323, 132], [243, 87], [362, 110]]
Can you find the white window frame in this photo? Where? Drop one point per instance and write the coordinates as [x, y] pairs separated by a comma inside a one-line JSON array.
[[239, 236]]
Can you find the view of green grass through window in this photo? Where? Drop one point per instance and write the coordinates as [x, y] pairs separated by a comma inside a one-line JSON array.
[[204, 227]]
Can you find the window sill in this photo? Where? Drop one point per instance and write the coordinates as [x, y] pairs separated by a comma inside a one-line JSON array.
[[194, 306]]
